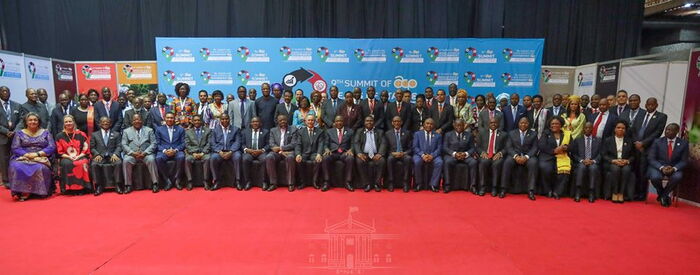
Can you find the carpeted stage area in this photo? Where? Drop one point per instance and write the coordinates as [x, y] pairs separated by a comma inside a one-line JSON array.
[[255, 232]]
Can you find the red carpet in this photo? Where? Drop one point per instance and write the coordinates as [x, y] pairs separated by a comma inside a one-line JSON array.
[[255, 232]]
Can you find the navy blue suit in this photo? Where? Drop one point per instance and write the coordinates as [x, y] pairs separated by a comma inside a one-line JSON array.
[[232, 142], [434, 148], [164, 142], [114, 114], [157, 119], [658, 157], [509, 123]]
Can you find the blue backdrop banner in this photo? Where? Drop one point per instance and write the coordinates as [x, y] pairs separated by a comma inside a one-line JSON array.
[[477, 65]]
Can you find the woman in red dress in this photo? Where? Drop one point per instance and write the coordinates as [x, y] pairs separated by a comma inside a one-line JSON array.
[[73, 148]]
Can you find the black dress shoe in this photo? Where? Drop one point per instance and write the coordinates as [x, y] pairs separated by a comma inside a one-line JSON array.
[[168, 185], [315, 185], [239, 187], [98, 191], [390, 188], [406, 188], [446, 189], [62, 190], [417, 188], [214, 186], [349, 187], [178, 185], [494, 193], [271, 187], [300, 186], [155, 187], [117, 188], [368, 188], [127, 189], [473, 189], [189, 186], [502, 194], [577, 198], [531, 195], [434, 188], [248, 186], [555, 196], [549, 194], [482, 192], [291, 188], [377, 187], [324, 188], [265, 186]]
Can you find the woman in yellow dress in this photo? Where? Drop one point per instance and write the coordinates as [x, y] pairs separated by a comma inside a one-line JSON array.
[[574, 119], [464, 110]]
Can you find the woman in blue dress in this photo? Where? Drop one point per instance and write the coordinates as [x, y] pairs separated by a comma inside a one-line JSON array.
[[30, 168], [302, 112]]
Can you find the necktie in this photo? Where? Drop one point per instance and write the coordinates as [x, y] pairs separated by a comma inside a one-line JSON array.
[[492, 143], [596, 124], [515, 112], [340, 139], [670, 149], [170, 133], [107, 105], [287, 106], [619, 110], [255, 140], [428, 135], [398, 107], [7, 108], [371, 105], [555, 110], [242, 111], [398, 141], [491, 114], [65, 110], [334, 104], [644, 126], [225, 138], [105, 137], [282, 132], [370, 146], [440, 108], [522, 138], [588, 148], [429, 102], [199, 134], [162, 112]]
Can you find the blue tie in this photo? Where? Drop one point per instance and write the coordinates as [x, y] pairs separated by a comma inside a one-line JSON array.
[[242, 111], [398, 142]]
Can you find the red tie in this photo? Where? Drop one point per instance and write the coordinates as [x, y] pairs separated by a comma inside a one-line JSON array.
[[597, 123], [440, 108], [670, 149], [162, 112], [340, 140], [492, 142], [398, 107], [371, 105]]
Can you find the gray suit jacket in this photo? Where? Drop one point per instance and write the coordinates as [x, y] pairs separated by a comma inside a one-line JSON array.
[[290, 138], [129, 114], [329, 112], [99, 148], [483, 124], [14, 117], [194, 145], [234, 111], [144, 142]]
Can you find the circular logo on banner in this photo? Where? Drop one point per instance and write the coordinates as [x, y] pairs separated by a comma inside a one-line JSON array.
[[290, 80], [319, 85]]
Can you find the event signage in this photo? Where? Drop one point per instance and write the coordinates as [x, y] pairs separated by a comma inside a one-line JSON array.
[[478, 65]]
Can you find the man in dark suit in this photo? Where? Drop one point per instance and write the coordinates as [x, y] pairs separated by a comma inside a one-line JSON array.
[[458, 147], [492, 145], [398, 142], [368, 145], [512, 114], [372, 107], [201, 106], [9, 118], [593, 108], [427, 149], [106, 165], [430, 100], [171, 146], [157, 113], [521, 150], [286, 108], [107, 107], [282, 143], [225, 143], [538, 115], [34, 106], [331, 107], [603, 121], [265, 107], [400, 109], [338, 147], [668, 157], [197, 149], [308, 150], [557, 109], [137, 109], [585, 154], [255, 146], [62, 109], [490, 113], [645, 130], [622, 105], [442, 113], [634, 112]]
